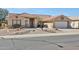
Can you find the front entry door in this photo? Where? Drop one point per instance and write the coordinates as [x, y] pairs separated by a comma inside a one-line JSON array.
[[32, 22]]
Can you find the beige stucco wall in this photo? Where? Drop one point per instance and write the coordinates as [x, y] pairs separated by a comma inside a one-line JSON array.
[[74, 24], [9, 22], [50, 25], [35, 23], [23, 22]]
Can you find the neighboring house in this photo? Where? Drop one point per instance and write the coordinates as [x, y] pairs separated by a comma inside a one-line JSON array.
[[74, 22], [32, 20]]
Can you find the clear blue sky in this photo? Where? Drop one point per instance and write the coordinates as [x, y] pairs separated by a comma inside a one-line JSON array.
[[47, 11]]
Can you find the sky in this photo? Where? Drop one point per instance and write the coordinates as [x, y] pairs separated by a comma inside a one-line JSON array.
[[46, 11]]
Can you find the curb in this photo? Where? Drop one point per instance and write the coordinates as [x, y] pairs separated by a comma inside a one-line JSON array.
[[38, 35]]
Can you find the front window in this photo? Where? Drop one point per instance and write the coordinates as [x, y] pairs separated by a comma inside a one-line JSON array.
[[18, 21]]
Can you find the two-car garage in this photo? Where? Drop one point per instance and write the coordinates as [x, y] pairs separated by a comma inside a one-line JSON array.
[[62, 24]]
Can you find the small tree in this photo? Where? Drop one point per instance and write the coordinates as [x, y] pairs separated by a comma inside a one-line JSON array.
[[3, 14]]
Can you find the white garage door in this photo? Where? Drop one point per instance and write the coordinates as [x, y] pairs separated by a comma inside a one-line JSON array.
[[61, 24]]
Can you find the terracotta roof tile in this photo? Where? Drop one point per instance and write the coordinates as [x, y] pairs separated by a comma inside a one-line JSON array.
[[14, 15], [49, 18], [52, 18]]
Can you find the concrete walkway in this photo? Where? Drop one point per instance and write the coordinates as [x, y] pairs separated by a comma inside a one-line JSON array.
[[39, 35]]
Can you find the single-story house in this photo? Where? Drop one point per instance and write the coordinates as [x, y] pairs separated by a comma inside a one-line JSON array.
[[32, 20], [25, 20]]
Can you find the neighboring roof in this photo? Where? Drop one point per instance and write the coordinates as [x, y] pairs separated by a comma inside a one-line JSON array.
[[74, 17]]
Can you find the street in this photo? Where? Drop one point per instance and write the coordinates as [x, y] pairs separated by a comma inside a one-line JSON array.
[[65, 42]]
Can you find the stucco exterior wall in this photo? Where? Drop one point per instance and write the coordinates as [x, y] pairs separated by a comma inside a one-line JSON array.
[[50, 25], [35, 23], [9, 23], [25, 22]]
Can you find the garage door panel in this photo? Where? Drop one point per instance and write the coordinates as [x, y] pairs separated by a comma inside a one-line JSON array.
[[61, 24]]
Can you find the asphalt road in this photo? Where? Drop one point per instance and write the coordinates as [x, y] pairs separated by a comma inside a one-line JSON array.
[[70, 42]]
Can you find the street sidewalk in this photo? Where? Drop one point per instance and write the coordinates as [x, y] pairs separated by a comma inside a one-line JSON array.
[[39, 35]]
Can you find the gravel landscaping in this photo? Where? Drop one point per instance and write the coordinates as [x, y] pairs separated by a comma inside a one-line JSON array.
[[4, 32]]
